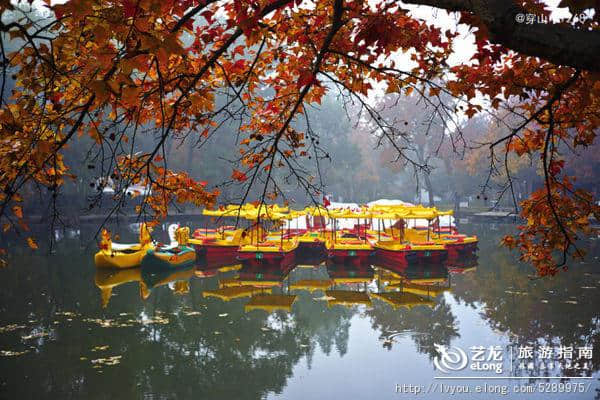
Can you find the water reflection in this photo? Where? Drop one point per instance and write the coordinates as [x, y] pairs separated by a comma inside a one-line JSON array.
[[238, 330]]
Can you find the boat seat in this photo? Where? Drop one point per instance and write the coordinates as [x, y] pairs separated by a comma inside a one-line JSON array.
[[122, 246], [172, 247]]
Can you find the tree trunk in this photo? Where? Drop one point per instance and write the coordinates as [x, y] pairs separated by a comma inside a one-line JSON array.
[[429, 189]]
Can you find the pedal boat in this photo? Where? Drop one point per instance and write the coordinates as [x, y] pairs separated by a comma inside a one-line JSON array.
[[119, 255], [176, 255], [345, 246], [459, 246], [409, 245], [313, 237], [348, 248], [267, 248], [273, 249]]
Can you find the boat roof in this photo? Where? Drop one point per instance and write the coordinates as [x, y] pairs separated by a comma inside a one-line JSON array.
[[311, 284], [399, 299], [234, 292], [347, 298], [270, 302]]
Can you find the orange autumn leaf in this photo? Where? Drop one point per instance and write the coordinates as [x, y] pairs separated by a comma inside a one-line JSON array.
[[18, 211], [238, 176], [32, 244]]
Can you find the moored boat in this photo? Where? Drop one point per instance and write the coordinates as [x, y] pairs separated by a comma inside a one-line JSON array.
[[118, 255], [175, 255], [345, 246], [263, 247]]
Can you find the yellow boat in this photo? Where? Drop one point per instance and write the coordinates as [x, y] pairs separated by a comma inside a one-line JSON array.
[[347, 245], [401, 246], [221, 244], [116, 255], [271, 247], [425, 241]]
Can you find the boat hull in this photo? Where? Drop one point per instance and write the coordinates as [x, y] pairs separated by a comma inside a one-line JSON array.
[[311, 246], [216, 252], [119, 259], [458, 250], [402, 257], [340, 256], [279, 259], [157, 259], [432, 256]]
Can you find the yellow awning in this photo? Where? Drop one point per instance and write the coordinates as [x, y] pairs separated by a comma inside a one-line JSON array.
[[399, 299], [347, 298], [270, 302], [234, 292], [311, 284]]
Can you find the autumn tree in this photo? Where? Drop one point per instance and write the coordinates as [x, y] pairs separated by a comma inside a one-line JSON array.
[[116, 71]]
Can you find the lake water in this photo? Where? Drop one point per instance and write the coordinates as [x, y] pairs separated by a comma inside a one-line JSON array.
[[481, 330]]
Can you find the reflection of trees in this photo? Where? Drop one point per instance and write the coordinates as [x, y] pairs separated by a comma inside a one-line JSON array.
[[424, 325], [556, 311], [237, 355]]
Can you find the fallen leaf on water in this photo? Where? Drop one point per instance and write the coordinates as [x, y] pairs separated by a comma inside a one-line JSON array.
[[113, 360], [11, 327], [515, 292], [35, 335], [100, 348], [10, 353], [66, 313], [326, 298]]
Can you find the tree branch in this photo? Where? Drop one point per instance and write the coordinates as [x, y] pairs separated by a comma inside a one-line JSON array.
[[560, 44]]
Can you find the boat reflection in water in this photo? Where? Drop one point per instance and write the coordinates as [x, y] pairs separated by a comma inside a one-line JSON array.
[[274, 287], [107, 279]]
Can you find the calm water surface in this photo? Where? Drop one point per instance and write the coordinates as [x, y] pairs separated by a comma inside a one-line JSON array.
[[70, 331]]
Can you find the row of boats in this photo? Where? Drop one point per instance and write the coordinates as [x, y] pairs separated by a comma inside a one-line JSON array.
[[393, 233]]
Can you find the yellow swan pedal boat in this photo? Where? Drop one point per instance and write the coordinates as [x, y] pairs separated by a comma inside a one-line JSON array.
[[118, 255]]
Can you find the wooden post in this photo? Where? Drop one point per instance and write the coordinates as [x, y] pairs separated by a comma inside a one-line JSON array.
[[428, 223]]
